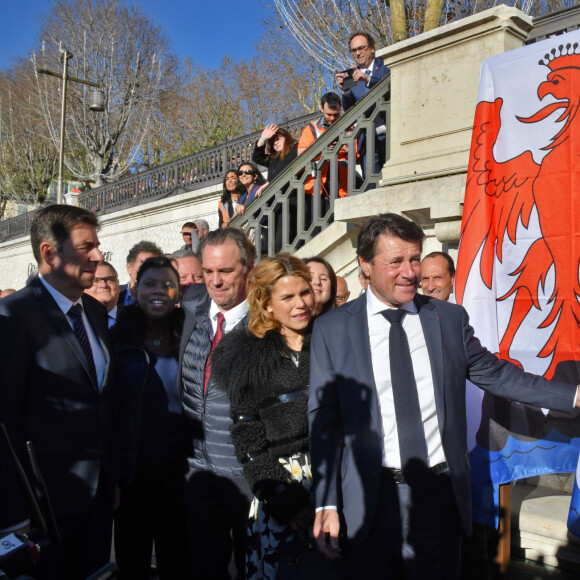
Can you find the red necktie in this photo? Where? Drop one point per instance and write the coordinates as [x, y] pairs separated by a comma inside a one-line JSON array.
[[216, 338]]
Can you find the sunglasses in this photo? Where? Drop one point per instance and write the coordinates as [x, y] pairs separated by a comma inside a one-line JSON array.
[[245, 172]]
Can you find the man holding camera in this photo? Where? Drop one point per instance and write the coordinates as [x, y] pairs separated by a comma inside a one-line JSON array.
[[355, 83]]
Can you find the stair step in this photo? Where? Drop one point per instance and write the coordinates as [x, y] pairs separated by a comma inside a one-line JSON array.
[[539, 530]]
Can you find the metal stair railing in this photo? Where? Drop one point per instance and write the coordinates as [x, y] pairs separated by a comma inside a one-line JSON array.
[[196, 171], [285, 218]]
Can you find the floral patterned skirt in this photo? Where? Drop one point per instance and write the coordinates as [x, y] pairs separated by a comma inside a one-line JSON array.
[[265, 535]]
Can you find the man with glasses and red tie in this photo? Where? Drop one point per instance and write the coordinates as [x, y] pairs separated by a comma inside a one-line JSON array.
[[367, 73], [56, 391]]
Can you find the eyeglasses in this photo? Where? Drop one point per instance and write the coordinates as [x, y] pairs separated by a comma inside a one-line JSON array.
[[359, 49], [107, 280], [186, 234], [245, 172]]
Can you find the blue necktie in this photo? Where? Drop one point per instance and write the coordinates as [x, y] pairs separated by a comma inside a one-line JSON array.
[[412, 444], [76, 314]]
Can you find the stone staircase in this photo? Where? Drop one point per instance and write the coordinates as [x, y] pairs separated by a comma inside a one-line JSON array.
[[539, 511]]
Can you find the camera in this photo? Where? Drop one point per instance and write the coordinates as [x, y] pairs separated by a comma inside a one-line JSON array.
[[348, 82]]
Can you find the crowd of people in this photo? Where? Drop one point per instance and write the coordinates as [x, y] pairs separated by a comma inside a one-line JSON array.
[[232, 415], [276, 148], [246, 419]]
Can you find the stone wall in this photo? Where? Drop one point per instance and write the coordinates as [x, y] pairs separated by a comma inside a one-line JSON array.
[[158, 222]]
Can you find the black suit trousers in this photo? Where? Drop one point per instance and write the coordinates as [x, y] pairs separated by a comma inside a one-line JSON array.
[[415, 534]]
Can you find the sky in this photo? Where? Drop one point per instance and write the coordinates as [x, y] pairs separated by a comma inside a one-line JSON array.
[[204, 31]]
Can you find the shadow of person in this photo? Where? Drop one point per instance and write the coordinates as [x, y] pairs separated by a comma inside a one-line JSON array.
[[347, 448]]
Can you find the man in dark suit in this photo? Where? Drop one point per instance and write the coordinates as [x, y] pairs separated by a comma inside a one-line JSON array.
[[55, 364], [393, 462], [367, 73]]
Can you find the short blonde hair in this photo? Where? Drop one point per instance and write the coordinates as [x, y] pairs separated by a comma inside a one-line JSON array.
[[259, 291]]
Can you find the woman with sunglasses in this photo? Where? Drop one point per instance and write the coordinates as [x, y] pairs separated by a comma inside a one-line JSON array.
[[251, 179], [230, 196]]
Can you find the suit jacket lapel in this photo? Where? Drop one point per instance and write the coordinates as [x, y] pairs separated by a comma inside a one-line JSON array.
[[60, 320], [100, 326], [361, 350], [432, 331]]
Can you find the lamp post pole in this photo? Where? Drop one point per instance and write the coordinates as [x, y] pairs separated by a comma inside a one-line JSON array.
[[65, 55]]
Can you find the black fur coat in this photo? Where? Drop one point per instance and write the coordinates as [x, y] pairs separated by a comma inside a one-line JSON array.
[[268, 394]]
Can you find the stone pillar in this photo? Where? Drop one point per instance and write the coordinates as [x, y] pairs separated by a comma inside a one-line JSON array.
[[72, 197]]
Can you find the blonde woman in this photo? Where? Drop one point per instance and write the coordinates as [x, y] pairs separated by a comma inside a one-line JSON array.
[[267, 383]]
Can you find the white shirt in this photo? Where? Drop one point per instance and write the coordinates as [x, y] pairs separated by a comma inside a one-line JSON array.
[[65, 305], [379, 329], [369, 68], [232, 316]]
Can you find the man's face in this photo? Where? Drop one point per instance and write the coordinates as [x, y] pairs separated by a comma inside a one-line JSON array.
[[187, 232], [436, 280], [201, 233], [105, 287], [133, 269], [189, 270], [224, 274], [395, 270], [342, 292], [73, 266], [362, 53], [330, 115]]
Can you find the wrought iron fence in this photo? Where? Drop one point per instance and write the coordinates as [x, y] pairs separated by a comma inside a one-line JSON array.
[[208, 167], [191, 173], [16, 227], [554, 24], [299, 203]]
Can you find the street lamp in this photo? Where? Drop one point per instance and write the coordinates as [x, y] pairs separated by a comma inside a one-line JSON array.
[[96, 105]]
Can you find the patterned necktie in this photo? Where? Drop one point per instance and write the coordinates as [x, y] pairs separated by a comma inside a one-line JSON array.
[[412, 443], [76, 315], [216, 338]]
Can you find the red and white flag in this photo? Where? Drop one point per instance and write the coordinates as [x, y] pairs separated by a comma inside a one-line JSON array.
[[519, 255]]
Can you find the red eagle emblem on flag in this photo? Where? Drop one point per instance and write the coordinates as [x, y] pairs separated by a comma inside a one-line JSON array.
[[503, 196]]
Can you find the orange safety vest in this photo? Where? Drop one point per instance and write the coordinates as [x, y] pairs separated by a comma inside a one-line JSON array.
[[310, 133], [224, 212]]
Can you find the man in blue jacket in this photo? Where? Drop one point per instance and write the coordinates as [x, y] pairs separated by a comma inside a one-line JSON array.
[[367, 73]]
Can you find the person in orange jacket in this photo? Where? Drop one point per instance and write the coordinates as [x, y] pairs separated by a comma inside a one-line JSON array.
[[330, 109]]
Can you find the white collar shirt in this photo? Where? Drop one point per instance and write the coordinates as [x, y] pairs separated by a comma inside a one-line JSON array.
[[65, 305], [231, 316], [379, 329]]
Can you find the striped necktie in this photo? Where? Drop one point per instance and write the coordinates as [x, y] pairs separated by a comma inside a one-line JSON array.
[[76, 315]]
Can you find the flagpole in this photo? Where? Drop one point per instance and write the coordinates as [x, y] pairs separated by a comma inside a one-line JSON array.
[[503, 556]]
